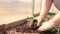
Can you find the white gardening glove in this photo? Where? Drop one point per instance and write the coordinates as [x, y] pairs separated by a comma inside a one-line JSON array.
[[39, 19], [46, 26]]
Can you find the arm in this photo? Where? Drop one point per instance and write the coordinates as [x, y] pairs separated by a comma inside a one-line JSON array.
[[51, 23], [46, 4], [56, 20]]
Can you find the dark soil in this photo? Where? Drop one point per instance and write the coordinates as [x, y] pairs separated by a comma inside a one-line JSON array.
[[24, 29]]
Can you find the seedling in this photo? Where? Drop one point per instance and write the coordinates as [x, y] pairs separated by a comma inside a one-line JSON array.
[[30, 17]]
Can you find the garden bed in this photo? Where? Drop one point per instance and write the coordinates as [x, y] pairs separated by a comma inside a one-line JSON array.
[[21, 27]]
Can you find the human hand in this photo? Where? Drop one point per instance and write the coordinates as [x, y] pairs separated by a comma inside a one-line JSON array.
[[46, 26], [39, 20]]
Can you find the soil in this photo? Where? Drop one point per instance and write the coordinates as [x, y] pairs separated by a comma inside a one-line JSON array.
[[24, 29]]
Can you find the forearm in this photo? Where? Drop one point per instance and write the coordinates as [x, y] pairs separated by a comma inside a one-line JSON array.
[[46, 4], [56, 20], [51, 23]]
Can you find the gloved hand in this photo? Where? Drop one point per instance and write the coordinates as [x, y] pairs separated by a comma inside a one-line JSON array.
[[45, 26], [39, 19]]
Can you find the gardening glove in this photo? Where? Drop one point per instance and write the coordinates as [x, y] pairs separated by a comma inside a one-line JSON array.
[[39, 20], [46, 26]]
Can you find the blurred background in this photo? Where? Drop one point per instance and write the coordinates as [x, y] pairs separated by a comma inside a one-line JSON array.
[[14, 10]]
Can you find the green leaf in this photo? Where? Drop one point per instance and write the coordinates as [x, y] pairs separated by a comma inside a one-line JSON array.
[[58, 30], [51, 13]]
